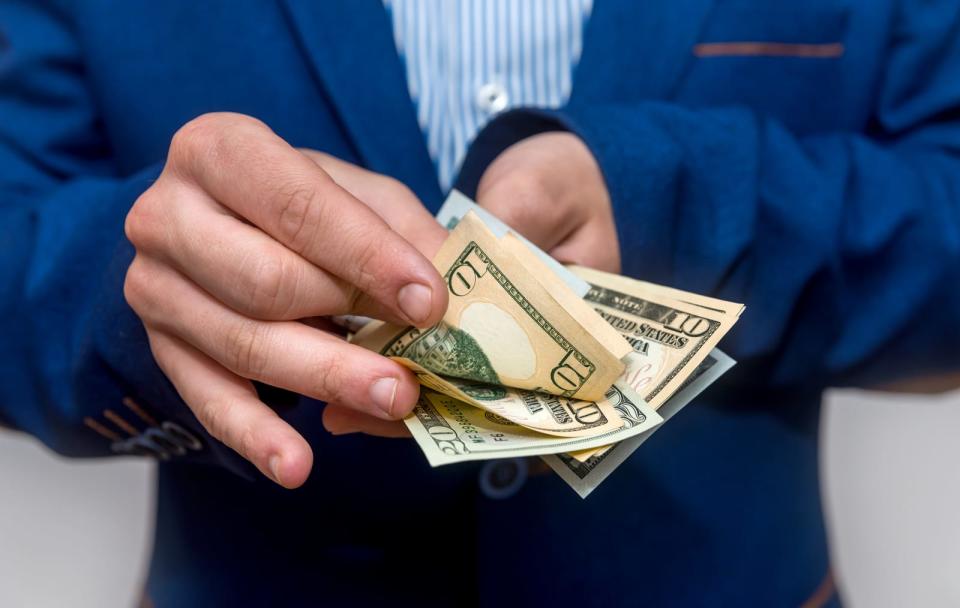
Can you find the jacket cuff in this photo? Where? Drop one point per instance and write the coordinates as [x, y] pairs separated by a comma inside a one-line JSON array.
[[130, 403]]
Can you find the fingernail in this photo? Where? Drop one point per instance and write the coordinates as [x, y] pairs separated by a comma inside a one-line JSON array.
[[416, 302], [383, 392], [275, 467]]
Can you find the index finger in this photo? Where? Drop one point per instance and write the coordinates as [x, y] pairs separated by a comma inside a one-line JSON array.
[[388, 198], [242, 164]]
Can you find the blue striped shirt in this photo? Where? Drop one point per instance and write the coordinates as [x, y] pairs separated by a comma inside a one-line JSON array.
[[468, 60]]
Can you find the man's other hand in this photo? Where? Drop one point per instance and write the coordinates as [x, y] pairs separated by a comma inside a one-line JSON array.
[[549, 188]]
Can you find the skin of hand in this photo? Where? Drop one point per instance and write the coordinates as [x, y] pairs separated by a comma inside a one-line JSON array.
[[243, 246], [548, 188]]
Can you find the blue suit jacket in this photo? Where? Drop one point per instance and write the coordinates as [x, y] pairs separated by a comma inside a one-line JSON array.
[[818, 184]]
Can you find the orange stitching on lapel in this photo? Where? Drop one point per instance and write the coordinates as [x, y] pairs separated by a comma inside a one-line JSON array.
[[120, 422], [769, 49], [102, 430], [139, 411]]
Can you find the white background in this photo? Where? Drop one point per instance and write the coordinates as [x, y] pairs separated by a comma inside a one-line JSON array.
[[78, 533]]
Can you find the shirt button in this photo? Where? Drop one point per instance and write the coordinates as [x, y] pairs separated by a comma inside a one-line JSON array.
[[492, 98], [501, 479]]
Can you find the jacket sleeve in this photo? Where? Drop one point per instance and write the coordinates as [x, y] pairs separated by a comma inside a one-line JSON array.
[[75, 367], [845, 246]]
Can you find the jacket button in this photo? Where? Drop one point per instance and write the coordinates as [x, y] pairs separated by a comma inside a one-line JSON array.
[[500, 479]]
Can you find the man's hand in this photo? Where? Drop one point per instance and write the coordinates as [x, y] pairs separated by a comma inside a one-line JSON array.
[[240, 239], [549, 189]]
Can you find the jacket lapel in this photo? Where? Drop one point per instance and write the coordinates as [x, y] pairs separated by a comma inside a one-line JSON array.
[[349, 44], [638, 49]]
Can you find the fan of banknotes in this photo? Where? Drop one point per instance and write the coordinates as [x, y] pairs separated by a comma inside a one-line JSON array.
[[533, 358]]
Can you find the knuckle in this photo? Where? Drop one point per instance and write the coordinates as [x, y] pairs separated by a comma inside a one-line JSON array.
[[300, 215], [137, 225], [215, 415], [195, 137], [513, 216], [368, 265], [156, 222], [510, 213], [530, 184], [132, 223], [266, 285], [516, 198], [246, 349], [209, 136], [246, 442], [330, 380], [134, 285]]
